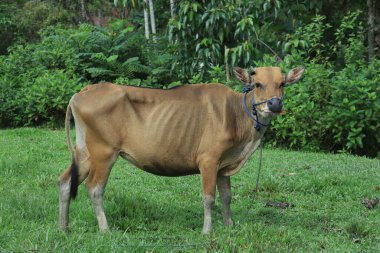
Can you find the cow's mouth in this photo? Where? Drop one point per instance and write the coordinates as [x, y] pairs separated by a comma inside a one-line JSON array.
[[268, 113]]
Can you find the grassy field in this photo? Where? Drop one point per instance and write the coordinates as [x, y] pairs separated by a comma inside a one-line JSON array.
[[157, 214]]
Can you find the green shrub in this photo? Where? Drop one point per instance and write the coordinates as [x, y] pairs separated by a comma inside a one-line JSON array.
[[308, 41], [42, 100], [46, 99], [107, 54], [38, 79], [354, 109], [22, 71]]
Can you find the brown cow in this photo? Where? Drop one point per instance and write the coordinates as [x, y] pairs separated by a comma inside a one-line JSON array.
[[191, 129]]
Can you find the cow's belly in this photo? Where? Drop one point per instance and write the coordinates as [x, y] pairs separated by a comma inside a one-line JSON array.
[[169, 168], [180, 164]]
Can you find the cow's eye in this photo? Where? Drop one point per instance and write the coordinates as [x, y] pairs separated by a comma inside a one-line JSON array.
[[282, 84], [258, 85]]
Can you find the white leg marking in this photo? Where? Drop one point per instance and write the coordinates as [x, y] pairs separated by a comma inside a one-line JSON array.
[[64, 204], [225, 196], [96, 196], [208, 204]]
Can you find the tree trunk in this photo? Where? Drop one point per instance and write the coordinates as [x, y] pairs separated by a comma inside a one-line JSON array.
[[371, 26], [83, 10], [226, 51], [100, 15], [172, 8], [146, 18], [152, 20]]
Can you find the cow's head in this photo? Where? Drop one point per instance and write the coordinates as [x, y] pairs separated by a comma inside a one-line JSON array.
[[268, 84]]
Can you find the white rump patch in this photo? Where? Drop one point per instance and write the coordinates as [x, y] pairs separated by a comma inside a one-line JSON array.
[[80, 132]]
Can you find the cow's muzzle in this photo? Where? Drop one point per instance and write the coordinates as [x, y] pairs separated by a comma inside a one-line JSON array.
[[275, 105]]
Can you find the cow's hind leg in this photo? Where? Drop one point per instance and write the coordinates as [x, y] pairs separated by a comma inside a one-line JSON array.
[[64, 199], [81, 171], [224, 188], [101, 165]]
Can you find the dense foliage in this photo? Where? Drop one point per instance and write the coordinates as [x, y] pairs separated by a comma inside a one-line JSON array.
[[50, 51], [39, 79]]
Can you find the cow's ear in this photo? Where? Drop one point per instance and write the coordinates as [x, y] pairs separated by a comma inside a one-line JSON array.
[[242, 75], [294, 75]]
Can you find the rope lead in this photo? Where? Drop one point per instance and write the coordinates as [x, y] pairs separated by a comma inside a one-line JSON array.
[[259, 172]]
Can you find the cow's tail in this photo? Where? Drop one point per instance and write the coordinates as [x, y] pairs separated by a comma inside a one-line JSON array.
[[74, 165]]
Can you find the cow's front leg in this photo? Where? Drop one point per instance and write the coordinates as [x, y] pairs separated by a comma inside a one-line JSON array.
[[208, 173], [96, 196], [224, 188]]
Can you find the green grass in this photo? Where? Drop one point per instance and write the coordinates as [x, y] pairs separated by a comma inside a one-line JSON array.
[[158, 214]]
